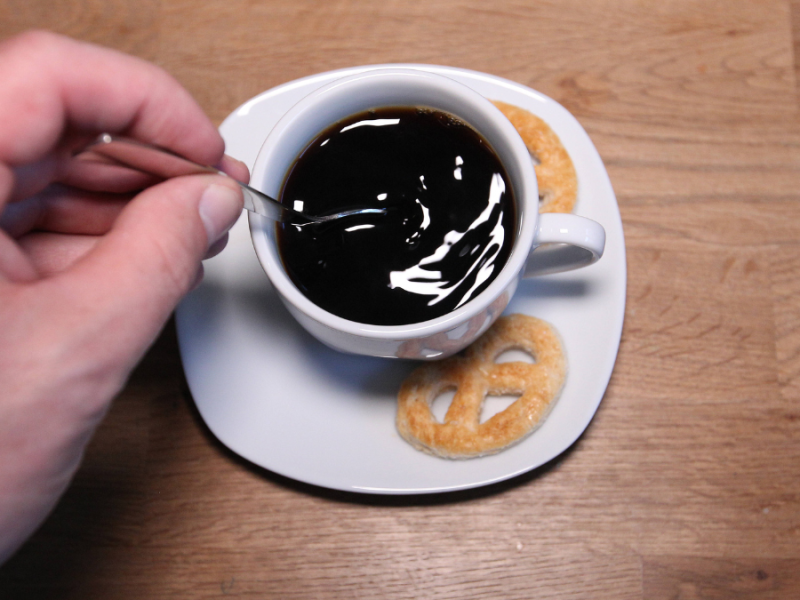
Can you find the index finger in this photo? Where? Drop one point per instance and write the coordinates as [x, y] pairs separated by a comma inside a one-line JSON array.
[[52, 84]]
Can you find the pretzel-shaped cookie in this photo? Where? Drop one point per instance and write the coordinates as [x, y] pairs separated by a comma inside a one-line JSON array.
[[476, 375], [558, 183]]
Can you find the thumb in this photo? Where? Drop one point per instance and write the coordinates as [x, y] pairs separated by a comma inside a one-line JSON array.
[[130, 282]]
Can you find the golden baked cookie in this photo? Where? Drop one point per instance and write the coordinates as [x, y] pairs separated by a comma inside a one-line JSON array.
[[558, 183], [473, 376]]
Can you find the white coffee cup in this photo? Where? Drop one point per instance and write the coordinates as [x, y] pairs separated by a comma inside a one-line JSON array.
[[561, 241]]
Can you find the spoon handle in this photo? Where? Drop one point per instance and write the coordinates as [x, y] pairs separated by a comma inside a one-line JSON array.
[[166, 164]]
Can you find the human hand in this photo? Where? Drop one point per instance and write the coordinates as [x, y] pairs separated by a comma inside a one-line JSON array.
[[89, 270]]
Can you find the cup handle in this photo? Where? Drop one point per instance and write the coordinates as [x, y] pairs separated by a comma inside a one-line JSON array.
[[564, 242]]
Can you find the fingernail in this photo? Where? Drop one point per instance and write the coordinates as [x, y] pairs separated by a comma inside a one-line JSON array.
[[236, 161], [235, 168], [219, 208], [217, 247]]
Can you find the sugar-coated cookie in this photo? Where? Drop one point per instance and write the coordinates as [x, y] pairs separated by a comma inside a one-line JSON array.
[[558, 183], [473, 376]]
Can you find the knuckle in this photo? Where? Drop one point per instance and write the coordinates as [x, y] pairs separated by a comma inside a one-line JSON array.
[[32, 42], [173, 272]]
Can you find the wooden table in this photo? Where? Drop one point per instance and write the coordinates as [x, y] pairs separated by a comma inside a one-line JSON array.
[[686, 484]]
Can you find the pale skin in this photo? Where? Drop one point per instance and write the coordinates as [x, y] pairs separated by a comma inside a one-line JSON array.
[[93, 257]]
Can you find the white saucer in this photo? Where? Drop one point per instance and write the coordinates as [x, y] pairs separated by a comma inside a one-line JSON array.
[[280, 399]]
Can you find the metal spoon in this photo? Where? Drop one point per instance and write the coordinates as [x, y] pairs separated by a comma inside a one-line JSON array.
[[166, 164]]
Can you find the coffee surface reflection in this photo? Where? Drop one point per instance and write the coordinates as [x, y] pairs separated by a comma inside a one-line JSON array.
[[447, 233]]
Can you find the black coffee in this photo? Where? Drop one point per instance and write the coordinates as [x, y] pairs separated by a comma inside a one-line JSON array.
[[447, 233]]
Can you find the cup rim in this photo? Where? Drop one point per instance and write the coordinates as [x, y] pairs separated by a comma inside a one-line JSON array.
[[527, 211]]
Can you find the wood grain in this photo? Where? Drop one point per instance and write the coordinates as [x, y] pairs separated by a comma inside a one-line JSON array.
[[687, 483]]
